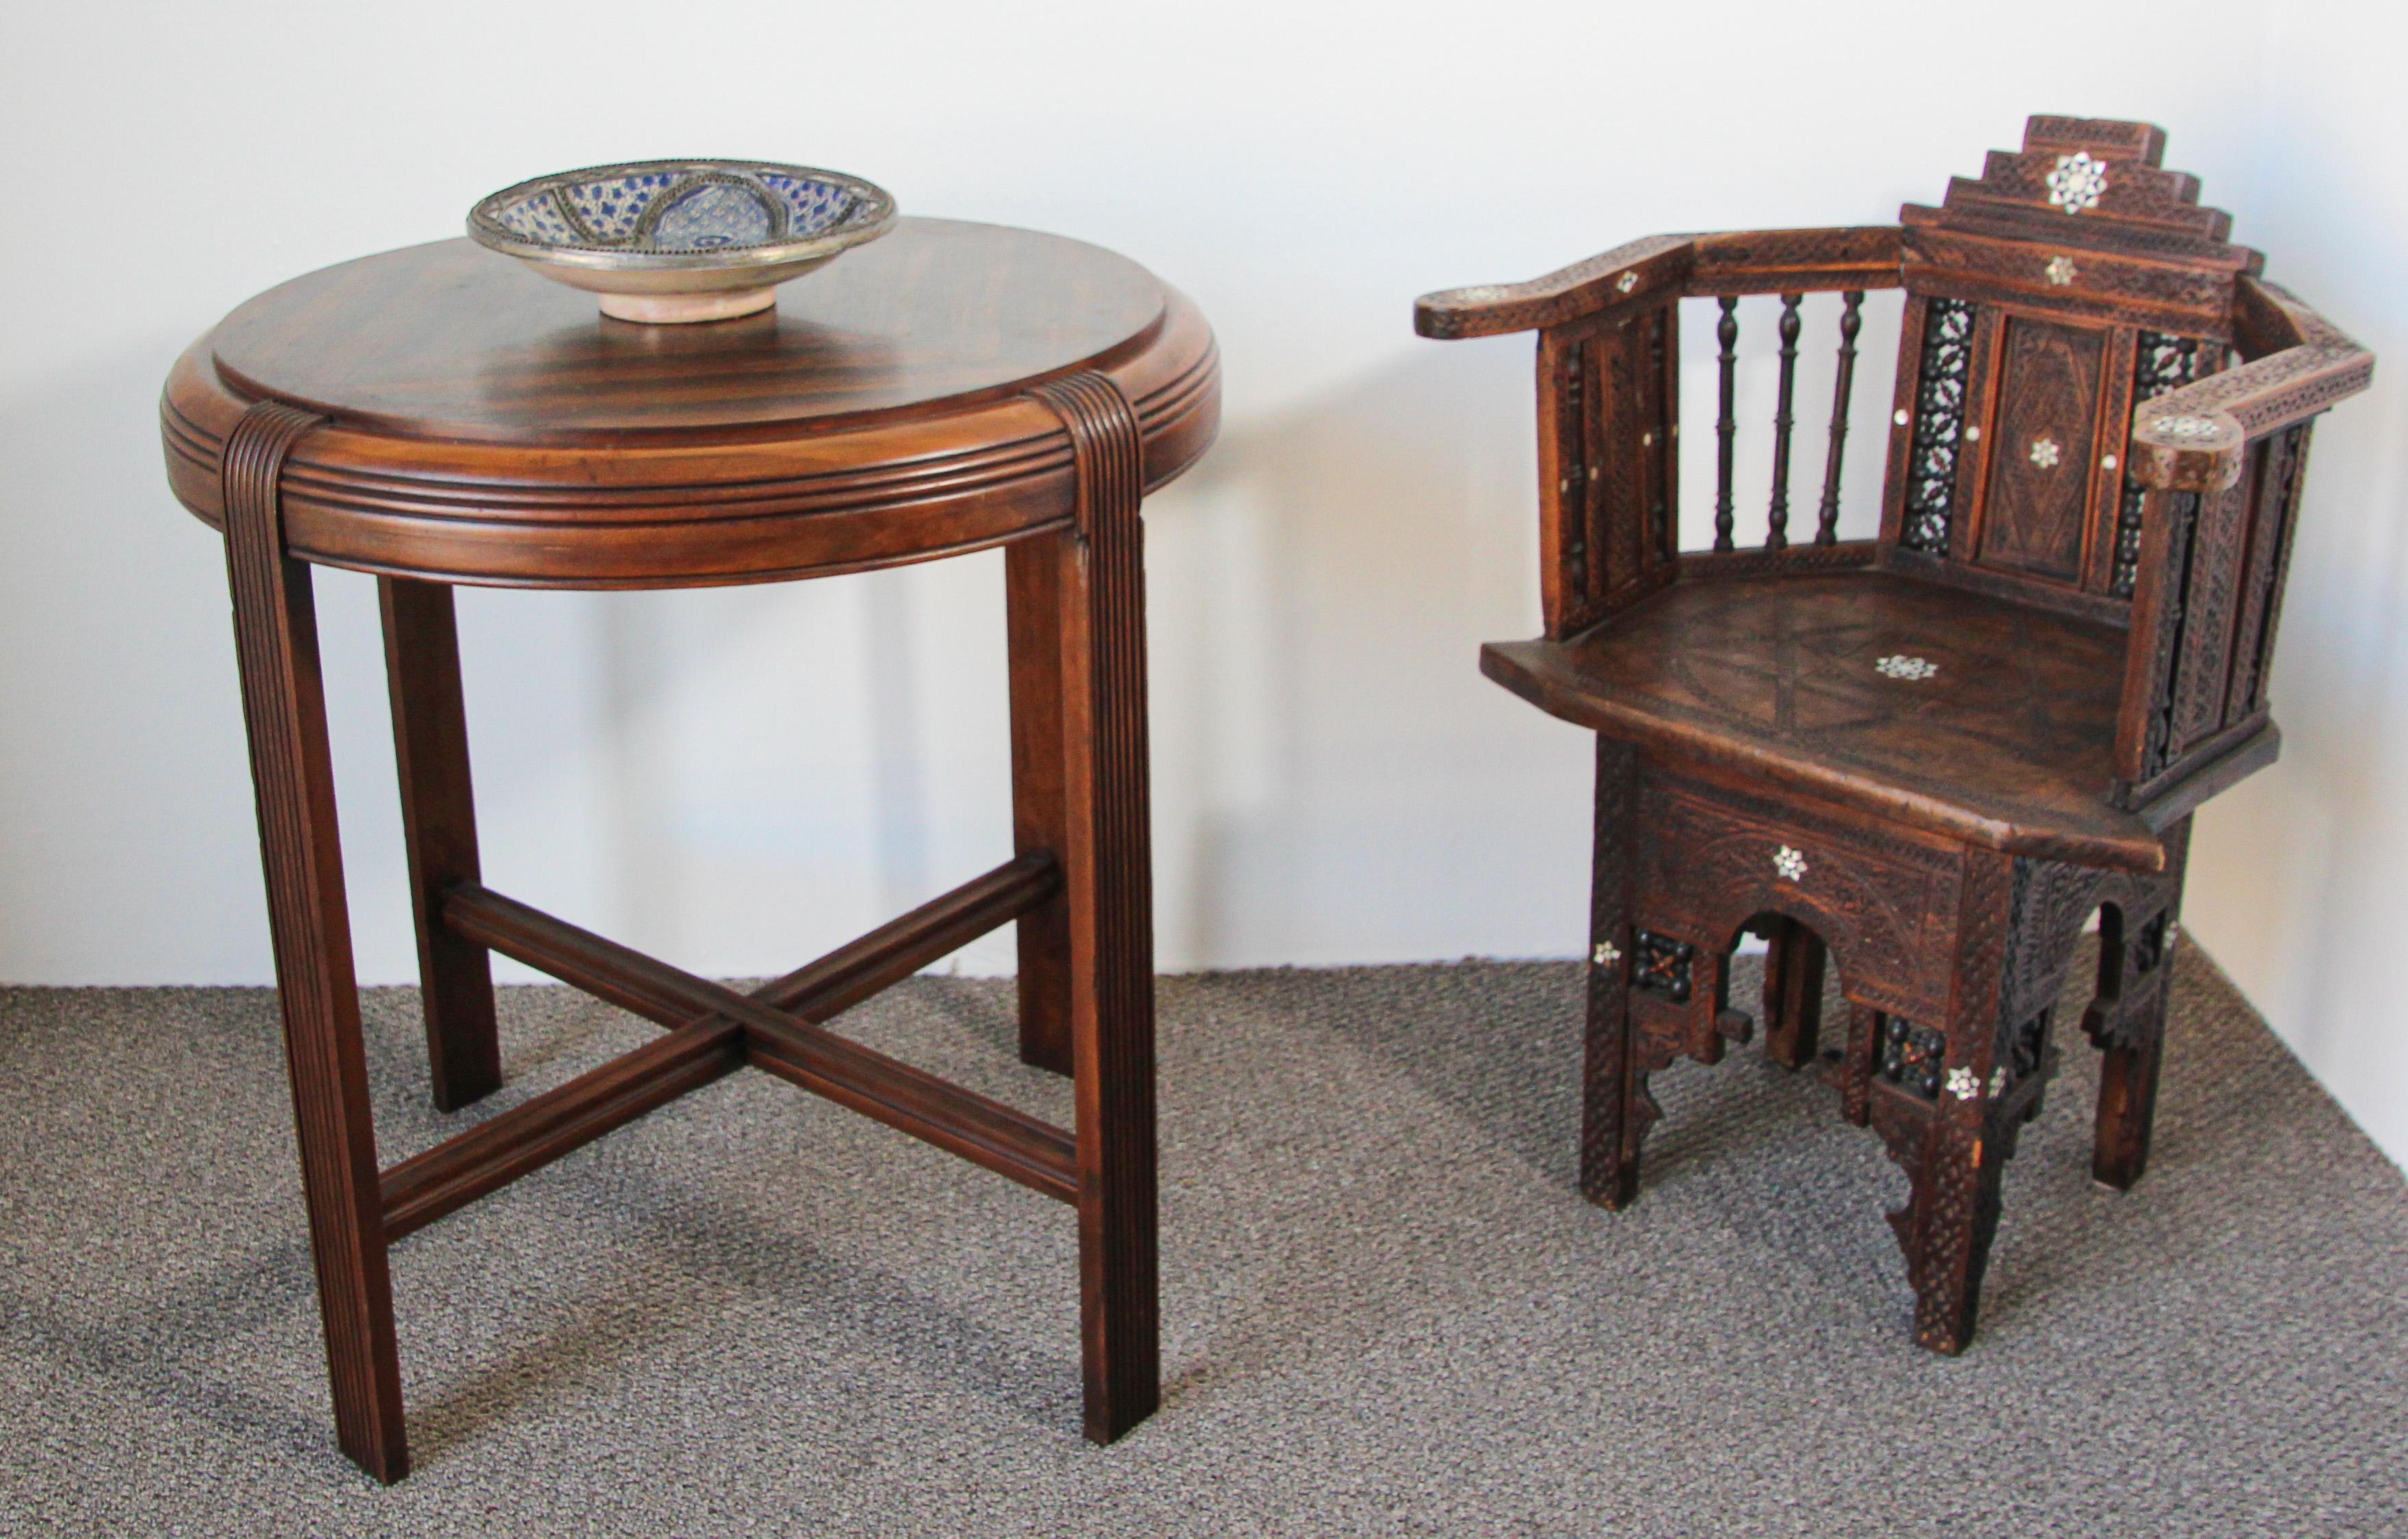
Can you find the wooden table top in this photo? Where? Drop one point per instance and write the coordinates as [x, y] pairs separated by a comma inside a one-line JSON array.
[[489, 425]]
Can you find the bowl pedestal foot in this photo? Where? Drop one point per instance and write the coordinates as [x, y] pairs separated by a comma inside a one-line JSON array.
[[671, 310]]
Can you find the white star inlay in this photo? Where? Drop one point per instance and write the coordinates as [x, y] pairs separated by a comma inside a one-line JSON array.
[[2077, 182]]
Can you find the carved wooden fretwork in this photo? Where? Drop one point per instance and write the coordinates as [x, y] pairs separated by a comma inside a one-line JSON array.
[[1663, 965], [2160, 364], [2252, 645], [1953, 1203], [1884, 904], [1573, 427], [1913, 1057], [1584, 287], [1606, 1176], [1663, 539], [2090, 184], [2149, 945], [2271, 393], [2182, 526], [2051, 899], [1939, 423], [2128, 1013], [2027, 1047]]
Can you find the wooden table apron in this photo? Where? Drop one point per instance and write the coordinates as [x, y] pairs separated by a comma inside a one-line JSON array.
[[439, 416]]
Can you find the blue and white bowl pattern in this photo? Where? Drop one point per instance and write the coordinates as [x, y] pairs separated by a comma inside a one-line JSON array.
[[715, 214], [610, 206], [683, 240], [813, 204], [698, 210], [540, 220]]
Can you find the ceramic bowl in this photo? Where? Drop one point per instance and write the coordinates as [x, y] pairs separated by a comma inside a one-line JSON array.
[[664, 241]]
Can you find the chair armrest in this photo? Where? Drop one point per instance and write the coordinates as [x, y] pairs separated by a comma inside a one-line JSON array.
[[1609, 407], [1628, 274], [1646, 271], [2193, 439], [2220, 464]]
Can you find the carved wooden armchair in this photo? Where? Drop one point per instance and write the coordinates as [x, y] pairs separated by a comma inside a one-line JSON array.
[[1934, 752]]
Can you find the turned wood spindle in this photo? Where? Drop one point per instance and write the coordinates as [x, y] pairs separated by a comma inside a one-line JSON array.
[[1726, 330], [1776, 518], [1826, 527]]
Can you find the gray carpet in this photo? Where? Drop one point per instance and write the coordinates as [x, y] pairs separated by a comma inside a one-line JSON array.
[[1387, 1309]]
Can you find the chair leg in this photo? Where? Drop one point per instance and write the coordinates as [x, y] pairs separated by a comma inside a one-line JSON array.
[[438, 819], [2128, 1019], [1793, 995], [2128, 1099], [2127, 1022], [1614, 1106], [1099, 571], [284, 709], [1951, 1217], [1952, 1146], [1033, 600]]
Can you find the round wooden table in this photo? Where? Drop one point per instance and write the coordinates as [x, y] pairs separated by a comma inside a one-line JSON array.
[[441, 415]]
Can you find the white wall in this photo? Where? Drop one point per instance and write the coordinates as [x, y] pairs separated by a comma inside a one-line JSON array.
[[1334, 782]]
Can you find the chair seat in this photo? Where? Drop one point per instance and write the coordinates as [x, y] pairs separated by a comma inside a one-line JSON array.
[[1993, 722]]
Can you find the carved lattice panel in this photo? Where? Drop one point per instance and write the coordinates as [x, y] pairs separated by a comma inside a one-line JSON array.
[[2160, 363], [1943, 369]]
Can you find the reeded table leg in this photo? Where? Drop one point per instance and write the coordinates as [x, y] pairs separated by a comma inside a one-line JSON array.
[[1033, 599], [439, 817], [284, 707], [1099, 570]]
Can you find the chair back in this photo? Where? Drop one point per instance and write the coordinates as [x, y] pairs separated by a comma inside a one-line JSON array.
[[2075, 280]]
